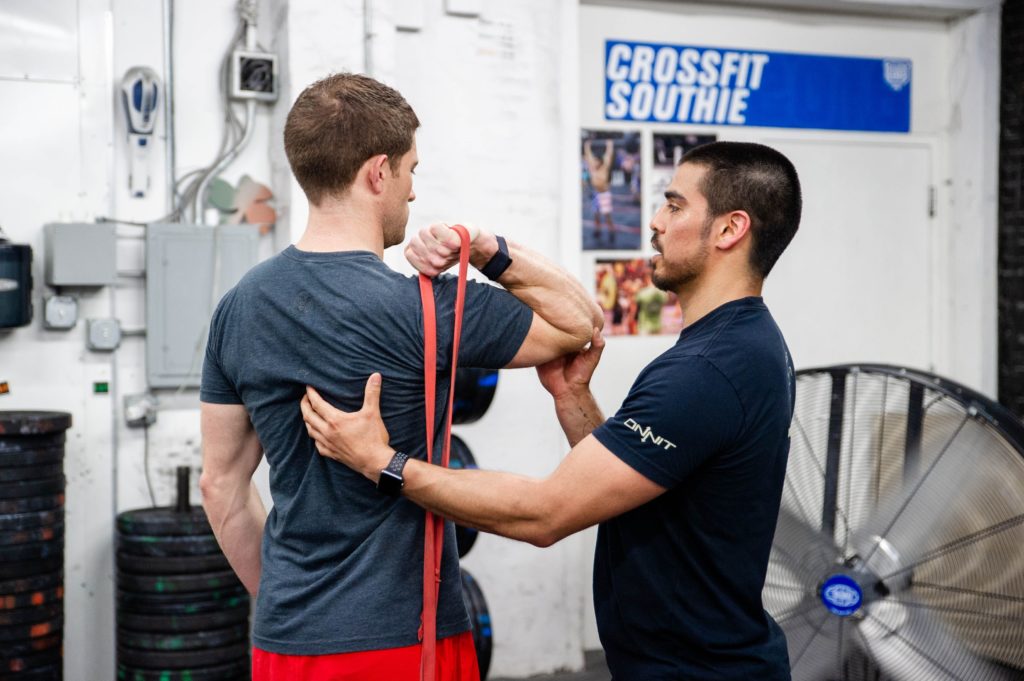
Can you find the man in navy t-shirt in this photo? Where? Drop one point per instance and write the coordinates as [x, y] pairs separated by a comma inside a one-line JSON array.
[[338, 565], [686, 478]]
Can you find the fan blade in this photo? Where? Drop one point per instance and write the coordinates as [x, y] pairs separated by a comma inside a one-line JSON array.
[[910, 521], [804, 550], [817, 649], [910, 643]]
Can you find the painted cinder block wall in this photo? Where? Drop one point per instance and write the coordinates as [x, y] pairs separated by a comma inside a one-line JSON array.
[[499, 94]]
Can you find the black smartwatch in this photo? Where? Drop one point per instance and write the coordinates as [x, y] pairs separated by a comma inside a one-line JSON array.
[[391, 480], [498, 263]]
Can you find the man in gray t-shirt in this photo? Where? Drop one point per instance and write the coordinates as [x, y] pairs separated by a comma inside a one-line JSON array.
[[337, 565]]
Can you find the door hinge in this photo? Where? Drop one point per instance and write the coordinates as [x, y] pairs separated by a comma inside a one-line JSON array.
[[931, 200]]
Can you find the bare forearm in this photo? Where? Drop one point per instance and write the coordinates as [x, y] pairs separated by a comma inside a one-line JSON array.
[[237, 518], [578, 415], [501, 503], [548, 290]]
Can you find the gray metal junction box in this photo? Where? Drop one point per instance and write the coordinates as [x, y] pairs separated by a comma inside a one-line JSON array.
[[80, 254], [179, 293]]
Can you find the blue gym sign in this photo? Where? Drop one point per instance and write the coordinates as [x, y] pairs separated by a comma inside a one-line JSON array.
[[658, 83]]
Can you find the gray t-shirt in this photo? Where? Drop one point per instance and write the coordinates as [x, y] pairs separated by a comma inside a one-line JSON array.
[[342, 564]]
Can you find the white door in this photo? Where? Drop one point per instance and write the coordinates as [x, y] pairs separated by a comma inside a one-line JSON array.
[[855, 284]]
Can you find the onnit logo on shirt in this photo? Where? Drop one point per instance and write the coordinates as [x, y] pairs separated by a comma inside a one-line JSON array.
[[646, 434]]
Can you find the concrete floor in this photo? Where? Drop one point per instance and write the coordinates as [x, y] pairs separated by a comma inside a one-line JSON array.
[[596, 670]]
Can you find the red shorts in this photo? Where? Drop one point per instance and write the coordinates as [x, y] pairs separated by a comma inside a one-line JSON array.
[[456, 661]]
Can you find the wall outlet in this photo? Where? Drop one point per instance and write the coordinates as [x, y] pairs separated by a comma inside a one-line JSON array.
[[140, 410]]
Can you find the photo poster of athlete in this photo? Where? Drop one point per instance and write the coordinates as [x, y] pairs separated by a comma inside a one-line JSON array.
[[610, 174], [632, 304], [666, 152]]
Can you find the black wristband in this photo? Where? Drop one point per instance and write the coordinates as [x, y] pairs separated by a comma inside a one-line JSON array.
[[498, 263], [391, 480]]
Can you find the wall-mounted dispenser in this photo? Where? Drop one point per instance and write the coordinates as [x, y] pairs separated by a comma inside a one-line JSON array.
[[140, 92], [15, 283]]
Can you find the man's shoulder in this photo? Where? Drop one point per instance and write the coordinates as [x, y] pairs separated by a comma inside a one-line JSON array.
[[682, 369]]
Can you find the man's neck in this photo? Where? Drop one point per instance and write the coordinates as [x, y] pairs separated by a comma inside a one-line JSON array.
[[336, 226], [706, 295]]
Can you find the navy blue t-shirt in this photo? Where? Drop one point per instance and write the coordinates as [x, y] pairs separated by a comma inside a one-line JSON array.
[[677, 581], [342, 565]]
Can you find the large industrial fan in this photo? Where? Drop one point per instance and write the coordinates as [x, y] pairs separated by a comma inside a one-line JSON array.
[[899, 550]]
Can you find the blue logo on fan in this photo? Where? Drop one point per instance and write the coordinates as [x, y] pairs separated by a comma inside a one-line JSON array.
[[841, 595]]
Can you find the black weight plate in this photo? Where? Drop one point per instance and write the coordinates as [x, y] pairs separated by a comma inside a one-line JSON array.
[[20, 632], [21, 521], [185, 659], [215, 638], [480, 618], [32, 488], [37, 582], [14, 423], [30, 568], [171, 565], [17, 473], [34, 458], [474, 390], [171, 624], [192, 545], [161, 522], [30, 535], [31, 504], [28, 599], [465, 537], [461, 457], [41, 613], [224, 672], [24, 443], [183, 603], [15, 443], [30, 646], [36, 551], [45, 658], [177, 583], [54, 673]]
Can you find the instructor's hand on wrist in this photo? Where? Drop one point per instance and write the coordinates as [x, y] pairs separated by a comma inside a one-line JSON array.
[[567, 378]]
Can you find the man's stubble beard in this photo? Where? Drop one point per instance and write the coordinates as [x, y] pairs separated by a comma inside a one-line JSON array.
[[394, 232], [672, 277]]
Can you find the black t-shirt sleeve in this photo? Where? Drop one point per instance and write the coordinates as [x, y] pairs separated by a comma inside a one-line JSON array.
[[494, 323], [215, 387], [678, 414]]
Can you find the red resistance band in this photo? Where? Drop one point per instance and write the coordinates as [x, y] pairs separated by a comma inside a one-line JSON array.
[[433, 541]]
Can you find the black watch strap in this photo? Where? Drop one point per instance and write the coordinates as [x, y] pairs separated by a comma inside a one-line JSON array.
[[498, 263], [391, 481]]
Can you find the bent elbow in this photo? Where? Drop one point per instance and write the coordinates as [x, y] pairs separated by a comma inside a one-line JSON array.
[[576, 338], [546, 532], [211, 487], [207, 487], [542, 540], [596, 316]]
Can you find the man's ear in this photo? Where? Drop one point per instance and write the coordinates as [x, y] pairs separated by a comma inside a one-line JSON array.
[[734, 230], [377, 170]]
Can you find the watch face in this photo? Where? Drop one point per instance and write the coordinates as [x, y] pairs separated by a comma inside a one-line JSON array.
[[390, 483]]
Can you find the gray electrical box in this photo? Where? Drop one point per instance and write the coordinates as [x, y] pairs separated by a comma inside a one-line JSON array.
[[180, 271], [80, 254]]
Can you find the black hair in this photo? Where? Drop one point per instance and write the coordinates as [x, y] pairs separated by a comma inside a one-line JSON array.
[[758, 180]]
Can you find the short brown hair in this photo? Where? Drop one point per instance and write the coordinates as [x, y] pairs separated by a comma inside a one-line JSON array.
[[337, 123]]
